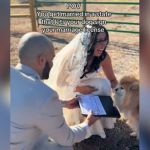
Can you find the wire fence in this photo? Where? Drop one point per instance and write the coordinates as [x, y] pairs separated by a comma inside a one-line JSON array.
[[39, 6], [84, 4]]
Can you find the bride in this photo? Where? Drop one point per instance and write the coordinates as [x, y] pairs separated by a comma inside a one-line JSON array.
[[75, 71]]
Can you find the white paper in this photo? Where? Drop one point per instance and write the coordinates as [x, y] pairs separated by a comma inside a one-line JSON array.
[[91, 102]]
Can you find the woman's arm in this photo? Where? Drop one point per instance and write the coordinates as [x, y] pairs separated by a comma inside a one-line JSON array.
[[108, 70], [86, 89]]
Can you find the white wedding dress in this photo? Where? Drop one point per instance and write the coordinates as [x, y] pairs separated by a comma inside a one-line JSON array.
[[65, 74]]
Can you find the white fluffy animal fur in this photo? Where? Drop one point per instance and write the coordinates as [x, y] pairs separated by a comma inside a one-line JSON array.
[[74, 116], [128, 103]]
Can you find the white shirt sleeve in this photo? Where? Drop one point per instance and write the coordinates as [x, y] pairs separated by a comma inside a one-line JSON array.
[[84, 125], [51, 121]]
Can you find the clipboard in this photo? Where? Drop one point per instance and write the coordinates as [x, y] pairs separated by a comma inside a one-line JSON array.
[[106, 104]]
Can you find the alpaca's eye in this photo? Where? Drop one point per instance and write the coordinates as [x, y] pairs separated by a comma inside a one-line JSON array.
[[121, 88], [116, 89]]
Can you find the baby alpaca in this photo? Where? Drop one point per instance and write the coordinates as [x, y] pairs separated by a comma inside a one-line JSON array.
[[129, 102]]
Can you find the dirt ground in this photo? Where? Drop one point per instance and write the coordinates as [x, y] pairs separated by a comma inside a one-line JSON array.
[[117, 139], [124, 51]]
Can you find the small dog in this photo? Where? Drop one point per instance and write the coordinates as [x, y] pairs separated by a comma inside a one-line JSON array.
[[128, 102]]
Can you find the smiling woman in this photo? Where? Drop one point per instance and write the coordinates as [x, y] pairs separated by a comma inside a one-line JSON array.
[[74, 72]]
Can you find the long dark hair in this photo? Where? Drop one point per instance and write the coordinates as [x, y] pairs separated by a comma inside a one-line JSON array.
[[97, 60]]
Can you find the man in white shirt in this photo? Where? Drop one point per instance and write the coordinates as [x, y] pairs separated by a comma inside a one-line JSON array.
[[36, 111]]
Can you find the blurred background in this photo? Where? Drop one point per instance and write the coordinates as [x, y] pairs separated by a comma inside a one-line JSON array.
[[120, 47], [4, 74], [145, 75]]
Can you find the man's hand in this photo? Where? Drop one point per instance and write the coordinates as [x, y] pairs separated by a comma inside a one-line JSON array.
[[85, 89], [90, 119], [71, 104]]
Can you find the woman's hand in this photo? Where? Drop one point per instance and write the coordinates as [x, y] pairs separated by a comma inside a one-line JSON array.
[[85, 89]]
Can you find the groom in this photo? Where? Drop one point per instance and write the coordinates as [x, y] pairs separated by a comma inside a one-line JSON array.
[[36, 111]]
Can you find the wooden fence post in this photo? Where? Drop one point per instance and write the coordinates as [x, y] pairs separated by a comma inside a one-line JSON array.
[[84, 11], [32, 13]]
